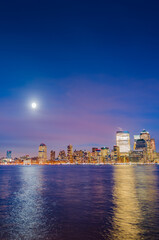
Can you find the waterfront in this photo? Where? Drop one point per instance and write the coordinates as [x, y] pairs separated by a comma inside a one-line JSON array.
[[79, 202]]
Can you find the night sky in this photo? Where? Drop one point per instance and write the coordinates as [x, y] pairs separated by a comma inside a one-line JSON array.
[[91, 66]]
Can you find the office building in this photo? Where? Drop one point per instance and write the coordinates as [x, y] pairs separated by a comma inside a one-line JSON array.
[[52, 155], [116, 153], [42, 155], [123, 142], [62, 155], [152, 149], [141, 144], [145, 135], [94, 153], [70, 153], [136, 137], [105, 152], [137, 156], [153, 145], [9, 154]]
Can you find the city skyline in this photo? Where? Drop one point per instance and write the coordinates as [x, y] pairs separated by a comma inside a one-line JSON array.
[[125, 137], [92, 69], [143, 152]]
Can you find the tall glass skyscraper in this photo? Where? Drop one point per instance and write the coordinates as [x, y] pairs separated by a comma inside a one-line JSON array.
[[42, 155], [9, 154], [123, 141]]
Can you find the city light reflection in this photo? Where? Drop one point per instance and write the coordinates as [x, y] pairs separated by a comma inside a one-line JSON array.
[[127, 213]]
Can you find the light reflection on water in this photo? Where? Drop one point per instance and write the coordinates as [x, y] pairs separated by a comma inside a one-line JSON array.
[[136, 203], [79, 202], [127, 213]]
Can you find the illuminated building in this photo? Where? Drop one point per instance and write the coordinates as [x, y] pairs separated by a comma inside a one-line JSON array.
[[141, 144], [42, 155], [85, 156], [89, 157], [62, 155], [137, 156], [145, 135], [94, 149], [9, 154], [152, 149], [116, 153], [26, 160], [70, 153], [123, 142], [34, 160], [78, 156], [98, 152], [94, 153], [140, 152], [145, 143], [78, 153], [105, 152], [153, 145], [52, 155], [136, 137]]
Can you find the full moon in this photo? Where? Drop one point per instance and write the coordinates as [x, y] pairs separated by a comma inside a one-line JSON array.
[[34, 105]]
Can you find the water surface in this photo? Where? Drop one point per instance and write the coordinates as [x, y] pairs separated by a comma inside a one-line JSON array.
[[79, 202]]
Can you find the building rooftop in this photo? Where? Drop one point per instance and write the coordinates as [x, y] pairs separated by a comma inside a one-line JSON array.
[[42, 144], [122, 132], [144, 131]]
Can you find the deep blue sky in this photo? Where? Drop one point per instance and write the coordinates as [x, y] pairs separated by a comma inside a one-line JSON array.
[[92, 67]]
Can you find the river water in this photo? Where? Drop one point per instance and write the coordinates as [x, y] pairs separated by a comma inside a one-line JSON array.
[[79, 202]]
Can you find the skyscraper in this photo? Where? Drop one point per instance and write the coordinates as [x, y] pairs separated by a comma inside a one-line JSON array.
[[105, 152], [62, 155], [145, 142], [9, 154], [94, 149], [52, 155], [146, 136], [152, 149], [153, 146], [116, 153], [141, 144], [70, 153], [136, 137], [123, 142], [42, 155], [94, 153]]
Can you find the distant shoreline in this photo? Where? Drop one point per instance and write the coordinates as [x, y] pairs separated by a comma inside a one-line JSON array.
[[85, 164]]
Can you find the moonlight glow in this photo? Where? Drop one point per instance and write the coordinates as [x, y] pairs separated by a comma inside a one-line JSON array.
[[34, 105]]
